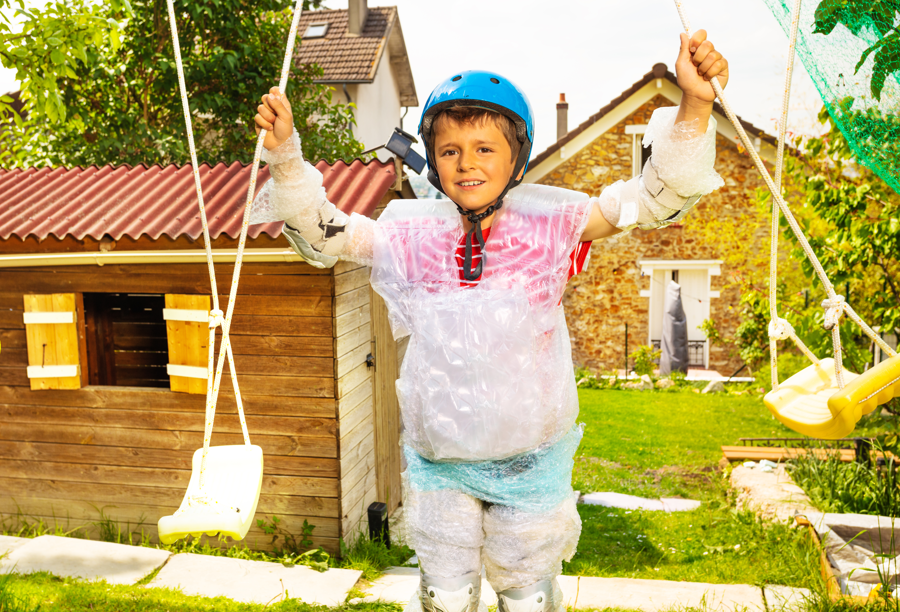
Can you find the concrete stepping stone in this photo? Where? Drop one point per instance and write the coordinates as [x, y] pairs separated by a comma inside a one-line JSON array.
[[10, 543], [656, 595], [397, 585], [254, 581], [632, 502], [787, 599], [84, 559]]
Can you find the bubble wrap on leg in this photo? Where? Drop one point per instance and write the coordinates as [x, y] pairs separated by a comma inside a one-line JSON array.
[[445, 529], [521, 548]]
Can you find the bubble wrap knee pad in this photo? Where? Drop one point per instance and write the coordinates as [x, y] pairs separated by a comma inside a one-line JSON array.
[[522, 548], [445, 529]]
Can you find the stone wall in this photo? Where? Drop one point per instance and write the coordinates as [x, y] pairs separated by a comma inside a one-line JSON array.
[[606, 296]]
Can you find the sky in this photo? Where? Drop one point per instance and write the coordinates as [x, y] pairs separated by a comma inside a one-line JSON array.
[[592, 50]]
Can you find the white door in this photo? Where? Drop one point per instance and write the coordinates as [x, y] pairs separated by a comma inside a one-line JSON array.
[[694, 299]]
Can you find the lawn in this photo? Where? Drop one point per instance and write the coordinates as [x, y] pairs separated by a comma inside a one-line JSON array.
[[659, 444], [46, 593]]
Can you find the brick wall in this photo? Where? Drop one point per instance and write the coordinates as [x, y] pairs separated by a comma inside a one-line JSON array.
[[606, 296]]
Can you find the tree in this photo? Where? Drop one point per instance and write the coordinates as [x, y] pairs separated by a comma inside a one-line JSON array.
[[48, 49], [852, 221], [119, 99]]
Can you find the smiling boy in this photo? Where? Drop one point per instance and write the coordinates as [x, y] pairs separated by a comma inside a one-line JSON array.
[[486, 389]]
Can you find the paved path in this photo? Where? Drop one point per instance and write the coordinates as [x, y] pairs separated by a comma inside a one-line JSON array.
[[264, 582], [398, 584]]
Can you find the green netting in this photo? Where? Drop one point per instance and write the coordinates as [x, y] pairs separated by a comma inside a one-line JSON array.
[[851, 49]]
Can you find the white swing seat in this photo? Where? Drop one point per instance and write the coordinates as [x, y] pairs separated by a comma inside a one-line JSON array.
[[227, 503], [801, 402]]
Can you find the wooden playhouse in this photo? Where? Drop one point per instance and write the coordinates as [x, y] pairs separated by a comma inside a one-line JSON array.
[[102, 398]]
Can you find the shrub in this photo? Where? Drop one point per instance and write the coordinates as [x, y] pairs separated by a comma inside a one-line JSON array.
[[644, 358]]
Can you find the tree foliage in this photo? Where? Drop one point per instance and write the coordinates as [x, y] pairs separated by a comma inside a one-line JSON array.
[[107, 91], [859, 15], [852, 220]]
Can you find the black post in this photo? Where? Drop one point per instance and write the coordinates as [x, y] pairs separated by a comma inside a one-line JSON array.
[[378, 523], [863, 449], [626, 350]]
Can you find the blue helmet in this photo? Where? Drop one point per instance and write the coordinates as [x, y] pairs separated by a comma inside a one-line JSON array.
[[481, 89]]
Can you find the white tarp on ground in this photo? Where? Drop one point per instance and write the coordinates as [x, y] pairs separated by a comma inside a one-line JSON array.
[[632, 502], [862, 548]]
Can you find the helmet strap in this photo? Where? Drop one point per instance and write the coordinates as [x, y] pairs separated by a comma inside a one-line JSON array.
[[470, 274]]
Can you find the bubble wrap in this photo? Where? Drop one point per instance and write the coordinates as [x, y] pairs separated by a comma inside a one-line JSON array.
[[488, 371], [521, 548], [536, 481], [684, 161], [449, 530], [358, 245], [295, 190]]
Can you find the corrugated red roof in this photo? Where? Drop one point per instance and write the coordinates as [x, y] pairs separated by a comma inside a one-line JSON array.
[[135, 201]]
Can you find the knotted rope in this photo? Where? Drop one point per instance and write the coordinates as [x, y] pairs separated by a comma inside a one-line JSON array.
[[833, 298], [215, 316]]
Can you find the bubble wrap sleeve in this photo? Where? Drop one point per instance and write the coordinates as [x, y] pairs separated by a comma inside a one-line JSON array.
[[683, 161], [294, 193], [360, 238], [678, 173], [317, 230]]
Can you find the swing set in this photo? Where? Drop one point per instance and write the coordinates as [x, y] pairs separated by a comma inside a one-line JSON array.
[[225, 481], [822, 400]]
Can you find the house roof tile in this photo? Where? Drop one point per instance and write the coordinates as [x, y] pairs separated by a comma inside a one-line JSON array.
[[659, 71], [344, 57]]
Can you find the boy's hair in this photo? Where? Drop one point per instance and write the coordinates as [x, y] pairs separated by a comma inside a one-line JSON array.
[[473, 115]]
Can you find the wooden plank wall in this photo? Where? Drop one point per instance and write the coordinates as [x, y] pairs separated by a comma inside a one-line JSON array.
[[127, 450], [387, 406], [354, 393]]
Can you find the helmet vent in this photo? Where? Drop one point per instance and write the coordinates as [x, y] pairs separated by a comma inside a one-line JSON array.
[[495, 80], [456, 78]]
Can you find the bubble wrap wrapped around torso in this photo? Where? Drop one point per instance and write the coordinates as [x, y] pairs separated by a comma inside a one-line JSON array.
[[488, 371]]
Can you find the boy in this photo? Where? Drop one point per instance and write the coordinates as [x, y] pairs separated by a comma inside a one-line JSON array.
[[486, 390]]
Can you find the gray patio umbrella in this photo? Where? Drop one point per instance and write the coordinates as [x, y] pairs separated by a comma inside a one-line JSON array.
[[674, 336]]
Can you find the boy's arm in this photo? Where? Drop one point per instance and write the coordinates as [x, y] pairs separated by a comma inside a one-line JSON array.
[[680, 170], [315, 228]]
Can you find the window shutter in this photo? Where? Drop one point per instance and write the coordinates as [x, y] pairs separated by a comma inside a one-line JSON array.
[[187, 329], [51, 330]]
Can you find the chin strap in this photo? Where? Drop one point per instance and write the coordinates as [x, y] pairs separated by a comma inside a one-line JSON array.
[[473, 274]]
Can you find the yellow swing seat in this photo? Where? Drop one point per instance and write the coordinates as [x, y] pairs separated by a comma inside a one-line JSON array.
[[877, 385], [227, 503], [801, 402], [811, 403]]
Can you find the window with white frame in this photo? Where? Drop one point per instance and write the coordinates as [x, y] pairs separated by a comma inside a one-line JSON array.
[[316, 30], [639, 153]]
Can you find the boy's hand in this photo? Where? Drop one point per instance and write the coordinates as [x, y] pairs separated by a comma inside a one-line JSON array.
[[274, 115], [698, 62]]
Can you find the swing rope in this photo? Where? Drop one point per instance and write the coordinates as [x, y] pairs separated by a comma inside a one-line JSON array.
[[835, 305], [779, 328], [216, 319]]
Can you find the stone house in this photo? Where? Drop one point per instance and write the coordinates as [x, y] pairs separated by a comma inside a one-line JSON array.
[[363, 55], [616, 303]]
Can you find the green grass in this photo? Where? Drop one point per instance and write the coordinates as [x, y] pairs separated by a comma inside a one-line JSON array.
[[662, 444], [713, 544], [667, 444], [48, 593]]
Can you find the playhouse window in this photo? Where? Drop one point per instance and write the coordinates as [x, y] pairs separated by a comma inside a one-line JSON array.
[[126, 339]]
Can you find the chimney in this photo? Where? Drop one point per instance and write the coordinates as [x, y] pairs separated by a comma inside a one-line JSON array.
[[562, 117], [359, 12]]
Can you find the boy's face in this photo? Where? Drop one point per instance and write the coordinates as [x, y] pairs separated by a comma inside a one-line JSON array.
[[474, 162]]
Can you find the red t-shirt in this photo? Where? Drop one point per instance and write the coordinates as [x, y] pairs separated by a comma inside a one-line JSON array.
[[577, 257]]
